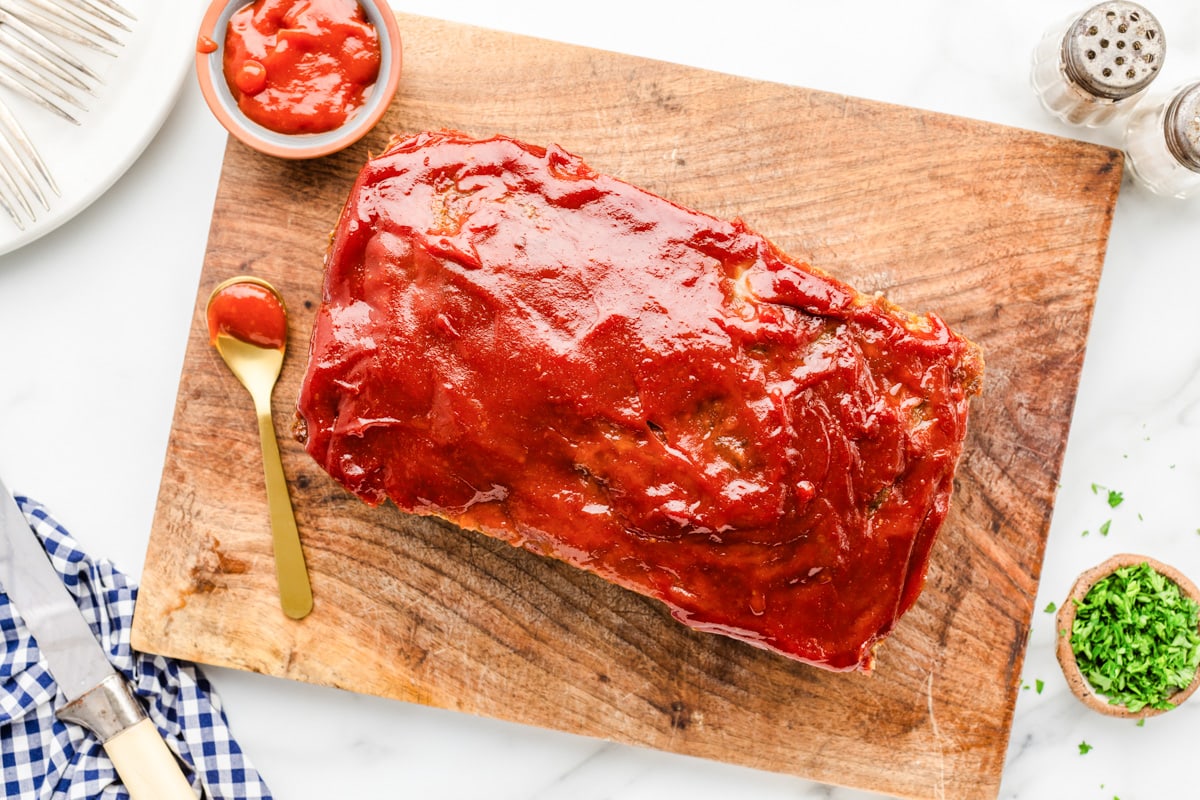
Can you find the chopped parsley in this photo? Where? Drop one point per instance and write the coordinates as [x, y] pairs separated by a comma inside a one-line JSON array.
[[1114, 497], [1104, 528], [1038, 685], [1084, 748], [1135, 638], [1050, 607]]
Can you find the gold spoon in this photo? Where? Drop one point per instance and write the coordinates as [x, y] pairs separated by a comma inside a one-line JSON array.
[[248, 327]]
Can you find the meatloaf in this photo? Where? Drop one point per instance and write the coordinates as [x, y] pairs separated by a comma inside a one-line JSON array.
[[530, 349]]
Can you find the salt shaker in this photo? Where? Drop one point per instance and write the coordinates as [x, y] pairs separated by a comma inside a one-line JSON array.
[[1162, 143], [1094, 67]]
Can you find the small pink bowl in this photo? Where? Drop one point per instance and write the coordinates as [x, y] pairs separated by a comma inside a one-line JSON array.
[[211, 74]]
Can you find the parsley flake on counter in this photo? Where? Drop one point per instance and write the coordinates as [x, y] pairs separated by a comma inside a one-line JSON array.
[[1084, 748], [1135, 638], [1114, 497], [1038, 685], [1050, 607], [1104, 528]]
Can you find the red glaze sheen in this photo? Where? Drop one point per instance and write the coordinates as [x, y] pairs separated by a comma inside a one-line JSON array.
[[249, 312], [527, 348], [301, 66]]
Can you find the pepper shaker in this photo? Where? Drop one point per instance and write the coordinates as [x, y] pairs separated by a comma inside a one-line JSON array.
[[1096, 66], [1162, 143]]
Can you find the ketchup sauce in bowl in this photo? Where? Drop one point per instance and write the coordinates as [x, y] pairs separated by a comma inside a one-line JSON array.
[[298, 78]]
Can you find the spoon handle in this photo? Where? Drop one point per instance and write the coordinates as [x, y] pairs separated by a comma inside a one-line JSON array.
[[295, 594]]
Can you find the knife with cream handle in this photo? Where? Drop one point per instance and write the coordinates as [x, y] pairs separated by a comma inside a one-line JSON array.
[[97, 697]]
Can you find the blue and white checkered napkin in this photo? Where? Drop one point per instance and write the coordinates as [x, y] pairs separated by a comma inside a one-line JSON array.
[[47, 759]]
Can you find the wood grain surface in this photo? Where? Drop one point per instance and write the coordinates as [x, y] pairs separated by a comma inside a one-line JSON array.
[[1000, 231]]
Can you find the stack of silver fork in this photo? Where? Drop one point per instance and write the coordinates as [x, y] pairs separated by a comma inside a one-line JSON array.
[[37, 64]]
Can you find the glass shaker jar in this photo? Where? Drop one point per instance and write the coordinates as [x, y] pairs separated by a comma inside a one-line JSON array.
[[1094, 67], [1162, 143]]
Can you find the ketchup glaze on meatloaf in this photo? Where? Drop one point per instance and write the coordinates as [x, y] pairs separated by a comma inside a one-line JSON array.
[[530, 349]]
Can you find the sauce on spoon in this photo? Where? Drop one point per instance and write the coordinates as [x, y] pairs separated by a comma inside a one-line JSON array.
[[249, 312]]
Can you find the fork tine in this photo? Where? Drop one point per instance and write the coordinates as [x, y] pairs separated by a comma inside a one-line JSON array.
[[23, 90], [6, 177], [71, 18], [32, 56], [51, 25], [46, 46], [8, 186], [97, 12], [11, 212], [111, 5], [21, 141], [34, 80], [17, 164]]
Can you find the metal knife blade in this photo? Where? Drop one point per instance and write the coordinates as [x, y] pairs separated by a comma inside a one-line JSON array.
[[96, 693], [75, 658]]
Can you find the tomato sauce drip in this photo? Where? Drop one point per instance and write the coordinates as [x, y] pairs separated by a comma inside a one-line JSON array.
[[301, 66], [516, 343], [250, 313]]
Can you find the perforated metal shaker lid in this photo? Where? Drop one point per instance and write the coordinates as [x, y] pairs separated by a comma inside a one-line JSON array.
[[1114, 50], [1181, 126]]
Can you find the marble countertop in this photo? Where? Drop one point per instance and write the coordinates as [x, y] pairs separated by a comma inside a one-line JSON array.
[[94, 320]]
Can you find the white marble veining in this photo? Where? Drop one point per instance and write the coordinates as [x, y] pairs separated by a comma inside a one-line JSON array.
[[94, 317]]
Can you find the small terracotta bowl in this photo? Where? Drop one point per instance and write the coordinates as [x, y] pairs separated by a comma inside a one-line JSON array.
[[1066, 620], [210, 73]]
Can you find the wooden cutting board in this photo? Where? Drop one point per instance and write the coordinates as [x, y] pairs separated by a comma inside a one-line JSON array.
[[1001, 231]]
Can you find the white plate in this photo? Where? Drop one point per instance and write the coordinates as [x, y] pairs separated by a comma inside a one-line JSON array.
[[140, 87]]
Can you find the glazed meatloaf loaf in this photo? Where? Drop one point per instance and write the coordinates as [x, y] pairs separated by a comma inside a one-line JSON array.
[[532, 350]]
